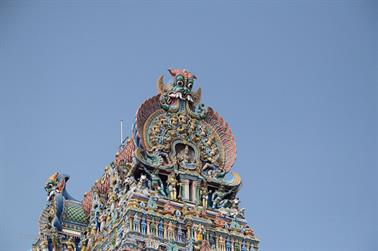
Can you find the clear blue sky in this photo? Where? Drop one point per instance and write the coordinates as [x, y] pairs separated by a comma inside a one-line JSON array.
[[296, 80]]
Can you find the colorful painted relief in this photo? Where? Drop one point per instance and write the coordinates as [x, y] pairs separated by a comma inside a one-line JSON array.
[[169, 187]]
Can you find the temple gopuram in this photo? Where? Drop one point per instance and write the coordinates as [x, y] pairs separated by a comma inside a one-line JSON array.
[[169, 187]]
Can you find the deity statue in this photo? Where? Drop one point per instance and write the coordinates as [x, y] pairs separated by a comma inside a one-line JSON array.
[[199, 233], [153, 228], [235, 202], [128, 184], [152, 203], [116, 182], [204, 195], [221, 243], [141, 183], [169, 209], [183, 157], [218, 197], [143, 225], [155, 181], [179, 234], [172, 183], [170, 228], [235, 210]]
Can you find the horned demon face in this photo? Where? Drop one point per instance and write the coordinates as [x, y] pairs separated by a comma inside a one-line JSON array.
[[179, 89], [182, 85]]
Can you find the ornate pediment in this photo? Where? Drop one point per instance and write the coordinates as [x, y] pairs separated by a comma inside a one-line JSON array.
[[174, 131]]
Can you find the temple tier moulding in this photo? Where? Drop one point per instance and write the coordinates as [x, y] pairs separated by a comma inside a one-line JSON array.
[[169, 187]]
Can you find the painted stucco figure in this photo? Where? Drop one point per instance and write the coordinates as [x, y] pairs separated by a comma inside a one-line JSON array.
[[56, 195]]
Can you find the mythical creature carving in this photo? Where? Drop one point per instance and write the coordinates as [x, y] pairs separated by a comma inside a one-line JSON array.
[[180, 88], [56, 196]]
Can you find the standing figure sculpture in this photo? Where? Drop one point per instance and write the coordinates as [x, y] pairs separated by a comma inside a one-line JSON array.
[[204, 195], [172, 183], [155, 181]]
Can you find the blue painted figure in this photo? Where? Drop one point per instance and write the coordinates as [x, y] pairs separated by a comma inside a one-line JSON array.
[[179, 233], [135, 223], [143, 225], [228, 244], [161, 229], [244, 247]]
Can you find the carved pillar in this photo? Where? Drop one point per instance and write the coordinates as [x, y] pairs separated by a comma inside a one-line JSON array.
[[131, 224], [198, 193], [185, 195], [148, 226], [156, 228], [188, 233], [194, 192], [217, 247], [174, 232], [195, 232], [165, 229], [223, 243]]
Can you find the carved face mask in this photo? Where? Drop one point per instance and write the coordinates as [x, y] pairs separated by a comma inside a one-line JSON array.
[[182, 85]]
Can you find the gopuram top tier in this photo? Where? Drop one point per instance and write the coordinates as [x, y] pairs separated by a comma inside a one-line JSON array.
[[169, 187]]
